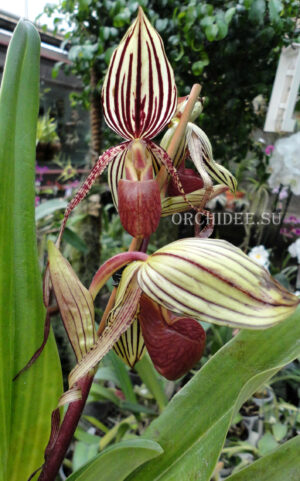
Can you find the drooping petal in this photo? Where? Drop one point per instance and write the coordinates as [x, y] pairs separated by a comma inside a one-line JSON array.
[[139, 206], [96, 171], [214, 281], [74, 301], [201, 153], [174, 348], [111, 266], [171, 205], [121, 318], [139, 91]]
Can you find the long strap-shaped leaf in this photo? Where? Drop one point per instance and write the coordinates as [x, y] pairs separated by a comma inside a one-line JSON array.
[[130, 454], [193, 427], [281, 464], [26, 404]]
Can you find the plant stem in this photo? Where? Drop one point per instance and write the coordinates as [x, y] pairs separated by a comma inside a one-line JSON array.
[[179, 132], [66, 431]]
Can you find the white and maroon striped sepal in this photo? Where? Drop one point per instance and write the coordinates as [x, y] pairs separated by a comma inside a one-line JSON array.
[[139, 92]]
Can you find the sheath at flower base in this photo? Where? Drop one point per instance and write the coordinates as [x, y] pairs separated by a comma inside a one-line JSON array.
[[197, 279], [139, 99]]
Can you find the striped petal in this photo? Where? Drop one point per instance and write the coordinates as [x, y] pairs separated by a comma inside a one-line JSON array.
[[172, 205], [74, 301], [131, 347], [139, 91], [121, 318], [96, 171], [201, 153], [214, 281]]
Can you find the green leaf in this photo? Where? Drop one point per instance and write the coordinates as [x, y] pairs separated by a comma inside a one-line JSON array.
[[121, 372], [198, 67], [207, 21], [161, 24], [257, 11], [279, 431], [281, 464], [275, 7], [229, 14], [26, 404], [83, 453], [100, 392], [49, 207], [72, 238], [85, 437], [116, 462], [152, 380], [266, 444], [108, 54], [193, 427], [222, 29], [211, 32]]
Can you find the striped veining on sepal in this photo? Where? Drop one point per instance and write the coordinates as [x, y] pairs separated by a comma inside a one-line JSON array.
[[74, 301], [189, 277], [139, 92], [121, 318]]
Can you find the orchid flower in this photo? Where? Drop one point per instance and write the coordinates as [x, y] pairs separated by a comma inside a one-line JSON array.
[[139, 99], [164, 296], [196, 144]]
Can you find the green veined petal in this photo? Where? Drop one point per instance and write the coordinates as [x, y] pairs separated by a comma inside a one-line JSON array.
[[172, 205]]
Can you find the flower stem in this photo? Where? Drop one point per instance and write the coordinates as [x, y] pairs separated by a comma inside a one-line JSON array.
[[179, 132], [66, 431]]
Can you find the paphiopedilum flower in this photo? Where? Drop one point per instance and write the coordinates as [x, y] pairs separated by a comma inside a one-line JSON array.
[[139, 99], [196, 145], [167, 292]]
